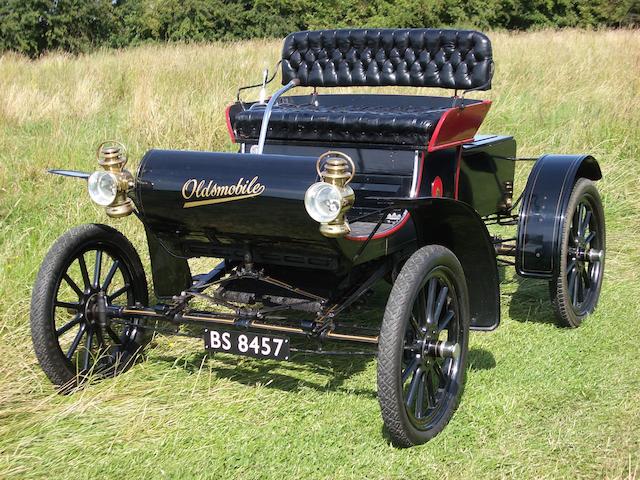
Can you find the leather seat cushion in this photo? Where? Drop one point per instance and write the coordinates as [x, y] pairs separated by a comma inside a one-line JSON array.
[[341, 124], [418, 57]]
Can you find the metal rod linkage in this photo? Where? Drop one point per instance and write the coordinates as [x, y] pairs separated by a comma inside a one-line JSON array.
[[267, 112], [235, 320]]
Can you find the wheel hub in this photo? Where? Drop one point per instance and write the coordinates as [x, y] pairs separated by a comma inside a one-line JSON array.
[[582, 255], [427, 349], [90, 304]]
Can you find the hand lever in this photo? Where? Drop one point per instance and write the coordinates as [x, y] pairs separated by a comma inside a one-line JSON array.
[[263, 89]]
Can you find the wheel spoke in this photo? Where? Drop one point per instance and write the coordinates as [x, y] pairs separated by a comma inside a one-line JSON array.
[[76, 341], [431, 395], [442, 298], [73, 285], [431, 298], [118, 292], [438, 370], [573, 292], [586, 278], [422, 313], [445, 323], [109, 277], [97, 270], [581, 287], [66, 327], [590, 238], [69, 305], [585, 224], [419, 410], [413, 388], [409, 370], [580, 220], [574, 223], [414, 323], [87, 349], [84, 271], [571, 281]]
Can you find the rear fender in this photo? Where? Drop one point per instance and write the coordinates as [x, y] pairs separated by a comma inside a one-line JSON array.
[[458, 227], [544, 201]]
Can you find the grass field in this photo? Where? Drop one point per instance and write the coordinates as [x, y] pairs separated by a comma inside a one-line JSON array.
[[540, 401]]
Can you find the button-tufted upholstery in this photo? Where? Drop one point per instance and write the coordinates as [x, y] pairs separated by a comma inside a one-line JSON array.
[[342, 124], [421, 57]]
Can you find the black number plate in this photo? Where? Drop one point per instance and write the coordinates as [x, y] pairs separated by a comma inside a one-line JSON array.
[[248, 344]]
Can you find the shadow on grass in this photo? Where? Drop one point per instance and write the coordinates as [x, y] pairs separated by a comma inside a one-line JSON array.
[[304, 371], [530, 302], [480, 359]]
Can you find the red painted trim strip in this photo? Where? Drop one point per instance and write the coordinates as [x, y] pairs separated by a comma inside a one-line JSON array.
[[227, 112], [458, 126], [404, 219]]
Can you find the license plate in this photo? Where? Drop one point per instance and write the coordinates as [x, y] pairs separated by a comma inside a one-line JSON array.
[[248, 344]]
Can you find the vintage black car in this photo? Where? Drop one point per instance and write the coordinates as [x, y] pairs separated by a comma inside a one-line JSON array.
[[327, 195]]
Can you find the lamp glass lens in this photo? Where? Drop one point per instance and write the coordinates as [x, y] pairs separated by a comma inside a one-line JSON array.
[[103, 188], [323, 202]]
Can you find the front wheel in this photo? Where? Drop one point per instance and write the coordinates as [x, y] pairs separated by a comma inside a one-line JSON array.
[[423, 345], [88, 269]]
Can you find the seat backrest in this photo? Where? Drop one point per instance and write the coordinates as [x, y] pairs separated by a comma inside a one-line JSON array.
[[419, 57]]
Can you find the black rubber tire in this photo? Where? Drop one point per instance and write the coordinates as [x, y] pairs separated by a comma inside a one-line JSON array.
[[53, 361], [559, 292], [392, 337]]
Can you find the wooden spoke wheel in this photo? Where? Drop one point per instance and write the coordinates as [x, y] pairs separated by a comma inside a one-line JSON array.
[[576, 290], [423, 346], [88, 269]]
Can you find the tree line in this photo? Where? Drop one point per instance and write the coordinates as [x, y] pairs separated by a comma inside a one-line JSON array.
[[33, 27]]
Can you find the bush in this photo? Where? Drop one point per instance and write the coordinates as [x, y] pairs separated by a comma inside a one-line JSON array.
[[35, 26]]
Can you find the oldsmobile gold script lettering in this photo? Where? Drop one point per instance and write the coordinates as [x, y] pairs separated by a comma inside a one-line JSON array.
[[207, 192]]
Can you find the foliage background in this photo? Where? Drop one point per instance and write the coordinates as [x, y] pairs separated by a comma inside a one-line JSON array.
[[35, 26]]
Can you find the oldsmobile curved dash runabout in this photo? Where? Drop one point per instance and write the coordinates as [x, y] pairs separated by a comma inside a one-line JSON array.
[[327, 195]]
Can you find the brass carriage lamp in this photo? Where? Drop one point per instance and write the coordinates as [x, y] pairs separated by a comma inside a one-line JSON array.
[[109, 188], [328, 201]]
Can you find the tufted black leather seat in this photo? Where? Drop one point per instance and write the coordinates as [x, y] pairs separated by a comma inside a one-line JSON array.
[[419, 57], [342, 124], [456, 59]]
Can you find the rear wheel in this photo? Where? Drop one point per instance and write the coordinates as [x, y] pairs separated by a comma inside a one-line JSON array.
[[89, 266], [575, 292], [423, 346]]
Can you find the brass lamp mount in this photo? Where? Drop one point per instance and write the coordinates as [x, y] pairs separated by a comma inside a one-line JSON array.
[[338, 169], [112, 156]]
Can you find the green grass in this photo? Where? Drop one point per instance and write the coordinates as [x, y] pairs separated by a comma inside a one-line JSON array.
[[540, 401]]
